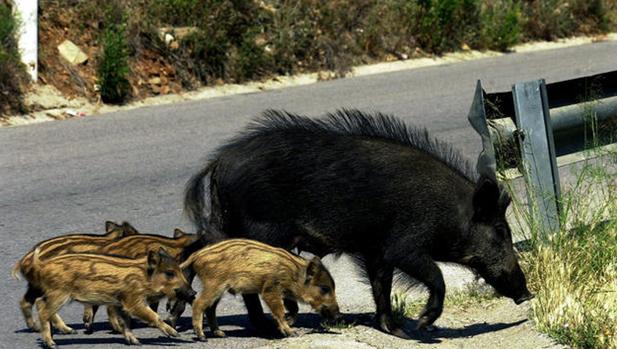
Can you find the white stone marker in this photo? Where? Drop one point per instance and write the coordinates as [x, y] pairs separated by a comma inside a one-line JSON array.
[[27, 14]]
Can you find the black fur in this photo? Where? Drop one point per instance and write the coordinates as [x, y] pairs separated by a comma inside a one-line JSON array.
[[363, 184]]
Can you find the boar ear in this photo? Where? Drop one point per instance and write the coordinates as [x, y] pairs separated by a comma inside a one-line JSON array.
[[129, 229], [110, 226], [486, 199], [154, 259], [312, 269], [163, 253], [178, 233]]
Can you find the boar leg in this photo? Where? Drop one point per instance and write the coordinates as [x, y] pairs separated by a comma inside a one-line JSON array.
[[116, 323], [380, 276], [140, 309], [274, 300], [89, 312], [47, 307], [58, 324], [176, 308], [256, 312], [292, 310], [124, 322], [425, 270], [26, 304], [212, 322], [154, 306], [209, 296]]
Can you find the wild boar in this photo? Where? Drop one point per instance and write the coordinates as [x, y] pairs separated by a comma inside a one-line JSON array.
[[124, 284], [363, 184], [73, 243], [247, 266], [137, 247]]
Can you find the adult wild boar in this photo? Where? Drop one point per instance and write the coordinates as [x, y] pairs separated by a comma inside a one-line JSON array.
[[363, 184]]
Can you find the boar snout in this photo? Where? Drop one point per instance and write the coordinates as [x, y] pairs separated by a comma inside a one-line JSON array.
[[525, 297], [331, 313], [186, 294]]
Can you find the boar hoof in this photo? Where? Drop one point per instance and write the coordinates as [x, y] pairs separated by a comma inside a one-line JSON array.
[[202, 338], [290, 333], [88, 329], [424, 323], [171, 322], [35, 327], [218, 334], [290, 319], [132, 340], [51, 345], [398, 332]]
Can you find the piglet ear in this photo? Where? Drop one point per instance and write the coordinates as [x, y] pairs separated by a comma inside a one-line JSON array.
[[129, 229], [111, 226], [154, 259], [178, 233], [486, 199], [313, 268]]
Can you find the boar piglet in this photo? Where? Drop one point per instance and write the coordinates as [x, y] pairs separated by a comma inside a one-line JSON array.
[[72, 243], [250, 267], [137, 246], [125, 285]]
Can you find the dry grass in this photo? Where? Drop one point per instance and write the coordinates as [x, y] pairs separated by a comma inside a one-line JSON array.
[[574, 272]]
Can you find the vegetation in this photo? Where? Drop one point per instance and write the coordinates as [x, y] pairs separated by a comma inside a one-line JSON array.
[[473, 294], [13, 75], [235, 41], [113, 68], [574, 272]]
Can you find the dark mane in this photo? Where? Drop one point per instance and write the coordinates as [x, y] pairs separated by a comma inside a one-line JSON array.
[[376, 125]]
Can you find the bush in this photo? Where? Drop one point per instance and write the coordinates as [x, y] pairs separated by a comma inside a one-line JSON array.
[[501, 25], [113, 66], [550, 19], [13, 74]]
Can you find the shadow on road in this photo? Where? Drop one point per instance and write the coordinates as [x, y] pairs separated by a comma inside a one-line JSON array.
[[312, 323]]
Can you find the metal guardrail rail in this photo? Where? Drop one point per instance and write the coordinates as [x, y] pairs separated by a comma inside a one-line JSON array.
[[530, 126]]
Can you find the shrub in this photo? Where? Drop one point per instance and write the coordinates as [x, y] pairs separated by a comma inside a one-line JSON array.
[[550, 19], [501, 25], [113, 65], [443, 25], [13, 74]]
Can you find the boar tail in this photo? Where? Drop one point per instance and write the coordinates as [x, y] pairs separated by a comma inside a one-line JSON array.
[[195, 202], [16, 270], [36, 261], [188, 263]]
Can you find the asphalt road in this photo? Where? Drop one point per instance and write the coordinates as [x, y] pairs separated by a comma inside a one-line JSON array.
[[71, 176]]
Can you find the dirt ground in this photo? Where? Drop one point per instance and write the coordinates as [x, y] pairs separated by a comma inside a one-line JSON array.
[[496, 323]]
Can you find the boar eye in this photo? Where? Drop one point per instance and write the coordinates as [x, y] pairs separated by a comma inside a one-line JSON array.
[[170, 274], [325, 289]]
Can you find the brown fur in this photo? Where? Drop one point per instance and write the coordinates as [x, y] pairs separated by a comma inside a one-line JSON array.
[[73, 243], [123, 284], [247, 266], [137, 247]]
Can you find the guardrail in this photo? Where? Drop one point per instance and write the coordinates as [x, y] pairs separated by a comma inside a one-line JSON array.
[[530, 126]]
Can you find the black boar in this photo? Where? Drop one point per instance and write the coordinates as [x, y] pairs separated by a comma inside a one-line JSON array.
[[366, 185]]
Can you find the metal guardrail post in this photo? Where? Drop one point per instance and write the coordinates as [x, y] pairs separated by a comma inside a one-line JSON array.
[[538, 152]]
